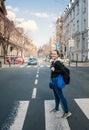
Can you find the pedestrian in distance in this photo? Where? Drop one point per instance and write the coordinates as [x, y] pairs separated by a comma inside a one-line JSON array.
[[55, 67], [9, 62]]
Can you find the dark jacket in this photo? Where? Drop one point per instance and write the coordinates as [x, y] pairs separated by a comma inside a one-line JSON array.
[[58, 69]]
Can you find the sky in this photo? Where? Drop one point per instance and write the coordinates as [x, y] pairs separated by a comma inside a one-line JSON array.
[[37, 17]]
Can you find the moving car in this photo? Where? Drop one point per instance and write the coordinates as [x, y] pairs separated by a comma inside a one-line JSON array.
[[32, 61]]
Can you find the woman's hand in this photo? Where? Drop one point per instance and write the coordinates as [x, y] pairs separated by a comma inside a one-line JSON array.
[[52, 68]]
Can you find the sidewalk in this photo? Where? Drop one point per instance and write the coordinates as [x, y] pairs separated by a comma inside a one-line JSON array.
[[7, 65], [78, 64]]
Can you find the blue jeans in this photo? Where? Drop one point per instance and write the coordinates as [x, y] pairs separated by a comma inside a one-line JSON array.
[[59, 96]]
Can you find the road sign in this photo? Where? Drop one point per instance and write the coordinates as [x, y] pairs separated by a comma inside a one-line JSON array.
[[58, 46]]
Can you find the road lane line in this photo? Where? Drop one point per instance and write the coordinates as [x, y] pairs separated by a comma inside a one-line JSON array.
[[34, 93], [37, 72], [16, 119], [36, 81], [53, 121], [37, 76], [83, 103]]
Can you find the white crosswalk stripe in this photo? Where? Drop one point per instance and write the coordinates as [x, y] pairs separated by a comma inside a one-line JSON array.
[[84, 105], [29, 66], [53, 121], [17, 117]]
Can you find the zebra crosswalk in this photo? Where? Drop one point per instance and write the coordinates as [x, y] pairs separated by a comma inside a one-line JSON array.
[[35, 66], [53, 121]]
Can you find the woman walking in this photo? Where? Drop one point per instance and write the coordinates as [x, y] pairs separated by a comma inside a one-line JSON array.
[[55, 71]]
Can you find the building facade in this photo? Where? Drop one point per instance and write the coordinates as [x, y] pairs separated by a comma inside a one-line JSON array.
[[60, 44], [13, 42], [76, 30], [2, 19]]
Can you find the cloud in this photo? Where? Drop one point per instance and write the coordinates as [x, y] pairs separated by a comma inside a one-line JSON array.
[[50, 26], [27, 25], [40, 14], [11, 15], [12, 9]]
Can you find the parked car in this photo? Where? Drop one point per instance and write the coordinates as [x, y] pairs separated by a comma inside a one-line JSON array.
[[19, 60], [66, 60], [8, 60], [26, 59], [32, 61], [62, 60]]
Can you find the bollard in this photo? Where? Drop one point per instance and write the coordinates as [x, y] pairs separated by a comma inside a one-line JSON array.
[[9, 64], [69, 63], [76, 63], [0, 64]]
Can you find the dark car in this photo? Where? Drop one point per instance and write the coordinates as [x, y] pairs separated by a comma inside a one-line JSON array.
[[32, 61]]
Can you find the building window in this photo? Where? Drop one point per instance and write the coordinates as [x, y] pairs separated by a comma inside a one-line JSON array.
[[78, 26], [73, 28], [77, 8], [84, 24], [77, 43], [76, 57], [83, 44], [70, 16], [84, 6], [73, 12]]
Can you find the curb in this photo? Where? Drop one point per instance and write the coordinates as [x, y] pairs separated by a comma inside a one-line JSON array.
[[7, 66]]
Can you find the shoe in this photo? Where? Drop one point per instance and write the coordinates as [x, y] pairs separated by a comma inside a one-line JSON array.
[[66, 115], [54, 110]]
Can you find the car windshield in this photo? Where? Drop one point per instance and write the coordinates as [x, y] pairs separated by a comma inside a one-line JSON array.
[[31, 59]]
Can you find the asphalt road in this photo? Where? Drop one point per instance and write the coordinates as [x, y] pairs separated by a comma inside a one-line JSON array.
[[24, 89]]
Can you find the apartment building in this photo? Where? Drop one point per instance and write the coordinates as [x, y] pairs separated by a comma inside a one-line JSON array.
[[2, 19], [76, 30], [13, 42], [60, 42]]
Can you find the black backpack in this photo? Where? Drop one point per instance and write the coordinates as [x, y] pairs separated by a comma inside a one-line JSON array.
[[66, 74]]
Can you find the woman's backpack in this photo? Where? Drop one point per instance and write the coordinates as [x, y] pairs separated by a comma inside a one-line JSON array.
[[66, 74]]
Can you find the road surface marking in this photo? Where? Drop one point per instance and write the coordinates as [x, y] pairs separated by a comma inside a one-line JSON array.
[[37, 76], [84, 105], [17, 117], [28, 66], [48, 66], [53, 121], [34, 66], [41, 65], [36, 81], [37, 72], [34, 93], [22, 66]]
